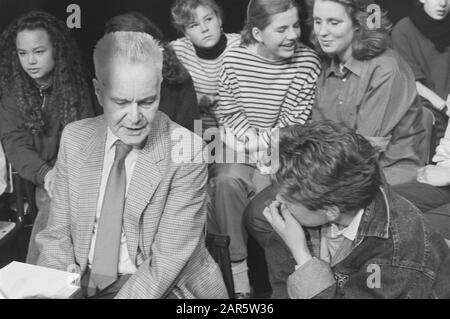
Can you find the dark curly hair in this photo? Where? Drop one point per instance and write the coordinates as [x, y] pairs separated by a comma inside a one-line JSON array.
[[368, 41], [173, 70], [324, 164], [70, 90]]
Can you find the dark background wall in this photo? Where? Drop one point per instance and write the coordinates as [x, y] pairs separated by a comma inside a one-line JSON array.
[[94, 14]]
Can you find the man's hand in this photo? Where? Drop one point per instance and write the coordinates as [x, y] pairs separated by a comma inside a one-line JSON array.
[[433, 175], [289, 230], [48, 182]]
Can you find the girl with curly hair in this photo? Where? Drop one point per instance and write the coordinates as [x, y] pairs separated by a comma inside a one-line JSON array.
[[178, 99], [42, 88], [368, 86]]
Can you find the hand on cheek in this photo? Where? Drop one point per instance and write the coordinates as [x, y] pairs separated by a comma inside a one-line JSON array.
[[288, 228]]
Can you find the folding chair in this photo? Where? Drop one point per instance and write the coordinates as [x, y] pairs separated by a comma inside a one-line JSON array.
[[22, 211], [218, 247]]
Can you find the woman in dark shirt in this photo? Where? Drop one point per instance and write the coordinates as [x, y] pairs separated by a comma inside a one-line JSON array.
[[42, 89], [178, 98], [423, 40]]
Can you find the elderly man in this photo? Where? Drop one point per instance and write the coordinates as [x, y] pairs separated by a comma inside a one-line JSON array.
[[125, 213]]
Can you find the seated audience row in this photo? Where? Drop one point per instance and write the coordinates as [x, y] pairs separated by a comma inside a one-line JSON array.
[[250, 88]]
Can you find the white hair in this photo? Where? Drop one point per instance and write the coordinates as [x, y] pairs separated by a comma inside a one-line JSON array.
[[134, 47]]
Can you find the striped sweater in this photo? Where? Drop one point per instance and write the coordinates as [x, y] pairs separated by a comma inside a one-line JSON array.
[[255, 92], [205, 74]]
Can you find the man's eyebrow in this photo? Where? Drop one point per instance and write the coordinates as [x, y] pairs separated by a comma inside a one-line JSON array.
[[148, 99], [119, 99]]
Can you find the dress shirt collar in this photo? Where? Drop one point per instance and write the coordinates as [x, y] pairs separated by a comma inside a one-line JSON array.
[[111, 138], [353, 65], [348, 232], [351, 230]]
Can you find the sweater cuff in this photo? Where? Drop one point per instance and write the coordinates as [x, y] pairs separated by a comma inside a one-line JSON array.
[[40, 176], [310, 279]]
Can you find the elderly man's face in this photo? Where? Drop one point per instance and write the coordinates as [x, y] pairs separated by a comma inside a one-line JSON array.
[[129, 95]]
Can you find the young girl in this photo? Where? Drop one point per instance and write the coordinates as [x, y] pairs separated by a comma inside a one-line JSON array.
[[178, 98], [42, 89], [268, 82], [367, 86], [202, 50]]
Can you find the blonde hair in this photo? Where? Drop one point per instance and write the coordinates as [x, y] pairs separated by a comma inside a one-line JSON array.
[[183, 12], [134, 47]]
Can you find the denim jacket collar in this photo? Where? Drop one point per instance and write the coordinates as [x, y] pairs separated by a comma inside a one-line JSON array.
[[376, 219]]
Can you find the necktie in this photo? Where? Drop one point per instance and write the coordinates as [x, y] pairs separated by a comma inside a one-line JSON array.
[[109, 229]]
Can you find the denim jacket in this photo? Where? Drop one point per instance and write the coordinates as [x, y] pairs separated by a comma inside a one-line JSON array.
[[395, 255]]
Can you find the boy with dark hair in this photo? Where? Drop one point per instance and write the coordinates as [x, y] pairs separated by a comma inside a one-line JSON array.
[[361, 240]]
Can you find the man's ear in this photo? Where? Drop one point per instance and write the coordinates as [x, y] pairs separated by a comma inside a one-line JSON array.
[[333, 213], [97, 90], [257, 34]]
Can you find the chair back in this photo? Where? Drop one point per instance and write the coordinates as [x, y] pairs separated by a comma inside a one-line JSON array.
[[429, 122], [218, 247]]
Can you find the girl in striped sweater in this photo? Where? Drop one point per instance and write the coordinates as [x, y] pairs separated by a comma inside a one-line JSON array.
[[202, 50], [268, 82]]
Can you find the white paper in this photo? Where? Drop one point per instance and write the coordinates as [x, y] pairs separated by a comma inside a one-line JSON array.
[[20, 280]]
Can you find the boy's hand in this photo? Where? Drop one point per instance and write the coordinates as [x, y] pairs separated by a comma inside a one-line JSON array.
[[289, 230]]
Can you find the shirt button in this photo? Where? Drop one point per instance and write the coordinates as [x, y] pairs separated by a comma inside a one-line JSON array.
[[340, 102], [344, 80]]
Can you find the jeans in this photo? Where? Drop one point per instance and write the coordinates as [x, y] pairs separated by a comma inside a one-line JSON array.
[[433, 201], [257, 225], [231, 189]]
